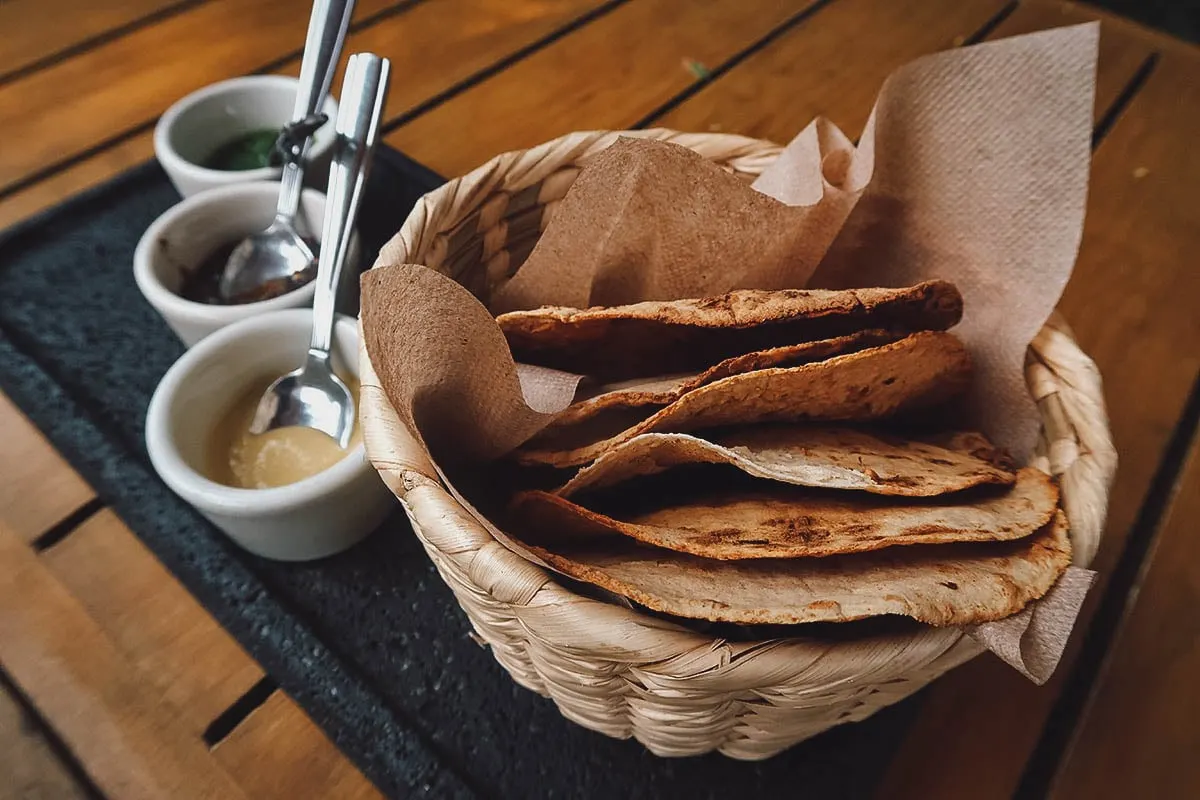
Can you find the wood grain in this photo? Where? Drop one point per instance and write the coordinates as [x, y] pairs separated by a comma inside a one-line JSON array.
[[1124, 27], [277, 752], [1130, 302], [1123, 47], [31, 769], [37, 487], [489, 31], [152, 620], [1139, 735], [35, 29], [608, 74], [1125, 304], [53, 190], [831, 65], [65, 109], [485, 31], [128, 737]]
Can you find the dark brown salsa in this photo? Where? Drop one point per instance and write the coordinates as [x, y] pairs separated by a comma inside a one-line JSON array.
[[202, 284]]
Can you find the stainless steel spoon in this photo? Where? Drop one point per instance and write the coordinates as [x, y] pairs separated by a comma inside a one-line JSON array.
[[268, 263], [313, 396]]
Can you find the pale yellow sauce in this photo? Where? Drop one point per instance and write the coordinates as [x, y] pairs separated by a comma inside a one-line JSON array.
[[245, 460]]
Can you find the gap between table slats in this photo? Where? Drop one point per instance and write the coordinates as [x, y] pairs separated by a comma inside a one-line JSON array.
[[62, 29], [1126, 305], [117, 91], [1146, 639], [500, 34], [167, 644]]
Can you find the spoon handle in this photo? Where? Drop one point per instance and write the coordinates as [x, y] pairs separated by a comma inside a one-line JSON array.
[[363, 95], [322, 50]]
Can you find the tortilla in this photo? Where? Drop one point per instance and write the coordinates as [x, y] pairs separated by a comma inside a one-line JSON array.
[[919, 371], [678, 336], [752, 519], [955, 584], [667, 389], [830, 458]]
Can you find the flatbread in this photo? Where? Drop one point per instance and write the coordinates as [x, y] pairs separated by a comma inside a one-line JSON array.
[[954, 584], [919, 371], [830, 458], [662, 390], [752, 519], [677, 336]]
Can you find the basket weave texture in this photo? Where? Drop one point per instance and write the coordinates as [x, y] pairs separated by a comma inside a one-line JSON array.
[[624, 673]]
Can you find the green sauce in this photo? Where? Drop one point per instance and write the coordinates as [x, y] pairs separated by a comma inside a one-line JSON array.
[[251, 150]]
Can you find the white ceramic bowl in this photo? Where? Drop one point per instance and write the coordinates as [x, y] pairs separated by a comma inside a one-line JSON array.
[[309, 519], [195, 126], [189, 231]]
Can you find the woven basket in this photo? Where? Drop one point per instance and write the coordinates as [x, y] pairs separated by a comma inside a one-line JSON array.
[[624, 673]]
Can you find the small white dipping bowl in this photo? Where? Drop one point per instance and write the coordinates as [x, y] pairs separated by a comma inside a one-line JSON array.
[[192, 129], [309, 519], [188, 232]]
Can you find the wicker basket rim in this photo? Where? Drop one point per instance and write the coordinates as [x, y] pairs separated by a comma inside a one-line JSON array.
[[492, 582]]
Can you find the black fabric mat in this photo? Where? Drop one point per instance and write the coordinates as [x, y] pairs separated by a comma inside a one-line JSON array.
[[370, 642]]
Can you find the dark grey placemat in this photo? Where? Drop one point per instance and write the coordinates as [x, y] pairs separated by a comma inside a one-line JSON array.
[[81, 352], [370, 642]]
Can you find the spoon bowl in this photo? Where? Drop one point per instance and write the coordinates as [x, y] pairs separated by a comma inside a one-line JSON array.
[[313, 396], [268, 264], [184, 238], [322, 514], [278, 258]]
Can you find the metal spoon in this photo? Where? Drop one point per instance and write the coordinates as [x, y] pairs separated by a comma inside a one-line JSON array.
[[313, 396], [268, 263]]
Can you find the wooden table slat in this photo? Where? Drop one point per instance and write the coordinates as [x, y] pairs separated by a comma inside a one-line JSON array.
[[1125, 302], [1121, 53], [1139, 735], [65, 109], [152, 620], [606, 75], [93, 628], [55, 189], [450, 54], [37, 487], [277, 751], [30, 766], [831, 65], [38, 29], [446, 57], [1124, 27], [130, 739]]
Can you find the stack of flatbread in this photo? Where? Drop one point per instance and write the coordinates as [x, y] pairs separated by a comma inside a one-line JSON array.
[[781, 457]]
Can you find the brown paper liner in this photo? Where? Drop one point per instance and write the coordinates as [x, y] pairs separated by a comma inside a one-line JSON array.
[[973, 168]]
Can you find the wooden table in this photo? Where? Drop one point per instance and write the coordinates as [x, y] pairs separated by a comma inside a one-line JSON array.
[[142, 700]]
